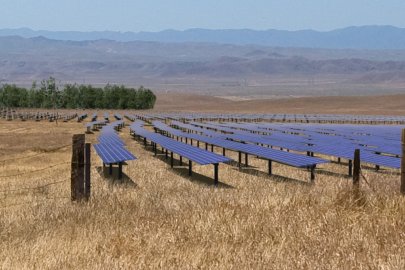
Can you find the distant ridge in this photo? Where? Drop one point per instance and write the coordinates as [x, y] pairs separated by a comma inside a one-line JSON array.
[[355, 37]]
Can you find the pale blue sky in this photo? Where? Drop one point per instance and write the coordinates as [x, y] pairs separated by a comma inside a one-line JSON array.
[[156, 15]]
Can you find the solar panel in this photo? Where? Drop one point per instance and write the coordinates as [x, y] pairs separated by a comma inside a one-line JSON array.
[[292, 159], [95, 123], [342, 147], [193, 153], [111, 148], [112, 153], [106, 116]]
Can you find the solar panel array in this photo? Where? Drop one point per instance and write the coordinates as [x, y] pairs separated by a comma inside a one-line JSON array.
[[291, 159], [192, 153], [94, 117], [290, 118], [379, 145], [111, 148], [106, 116], [95, 125], [24, 115], [81, 117]]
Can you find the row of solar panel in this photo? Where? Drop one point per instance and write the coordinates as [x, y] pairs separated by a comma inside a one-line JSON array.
[[291, 159], [111, 148], [272, 117], [192, 153], [300, 145]]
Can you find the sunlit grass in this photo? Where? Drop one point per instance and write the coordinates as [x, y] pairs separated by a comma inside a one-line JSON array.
[[158, 217]]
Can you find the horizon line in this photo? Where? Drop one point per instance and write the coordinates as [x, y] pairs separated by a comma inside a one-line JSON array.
[[209, 29]]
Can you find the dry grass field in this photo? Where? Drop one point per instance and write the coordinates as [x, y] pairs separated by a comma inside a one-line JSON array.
[[371, 105], [158, 217]]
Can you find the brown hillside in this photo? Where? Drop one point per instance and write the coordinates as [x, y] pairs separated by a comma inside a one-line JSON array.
[[385, 105]]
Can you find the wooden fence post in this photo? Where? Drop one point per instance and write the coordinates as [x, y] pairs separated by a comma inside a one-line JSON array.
[[87, 185], [77, 174], [403, 163], [356, 168]]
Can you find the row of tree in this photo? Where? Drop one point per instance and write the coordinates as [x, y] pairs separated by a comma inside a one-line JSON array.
[[74, 96]]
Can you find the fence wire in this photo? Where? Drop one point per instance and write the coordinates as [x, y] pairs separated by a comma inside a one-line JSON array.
[[53, 150], [36, 187], [33, 171], [366, 180]]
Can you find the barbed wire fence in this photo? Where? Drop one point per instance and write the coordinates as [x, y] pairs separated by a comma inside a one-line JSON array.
[[52, 150], [32, 190]]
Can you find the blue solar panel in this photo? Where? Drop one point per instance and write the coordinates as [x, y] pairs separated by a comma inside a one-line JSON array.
[[111, 147], [292, 159], [111, 153], [342, 146], [379, 145], [95, 123], [192, 153], [111, 140], [94, 117]]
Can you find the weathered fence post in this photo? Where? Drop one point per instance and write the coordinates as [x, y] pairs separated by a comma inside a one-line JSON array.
[[356, 168], [87, 185], [77, 174], [403, 163]]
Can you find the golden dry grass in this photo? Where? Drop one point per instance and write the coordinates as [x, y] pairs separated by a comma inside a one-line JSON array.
[[160, 218]]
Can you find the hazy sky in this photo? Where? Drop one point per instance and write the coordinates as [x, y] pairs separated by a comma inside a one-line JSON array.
[[156, 15]]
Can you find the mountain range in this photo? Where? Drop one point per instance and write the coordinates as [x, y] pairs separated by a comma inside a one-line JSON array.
[[205, 67], [355, 37]]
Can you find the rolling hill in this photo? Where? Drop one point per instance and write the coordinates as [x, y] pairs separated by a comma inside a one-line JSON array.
[[361, 37]]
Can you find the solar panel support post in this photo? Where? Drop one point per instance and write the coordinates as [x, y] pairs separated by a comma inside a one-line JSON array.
[[181, 161], [77, 165], [356, 168], [120, 170], [350, 167], [166, 154], [246, 160], [313, 173], [223, 151], [239, 159], [403, 163], [87, 185], [339, 160], [212, 148], [110, 169], [171, 159], [190, 168], [270, 167], [216, 174]]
